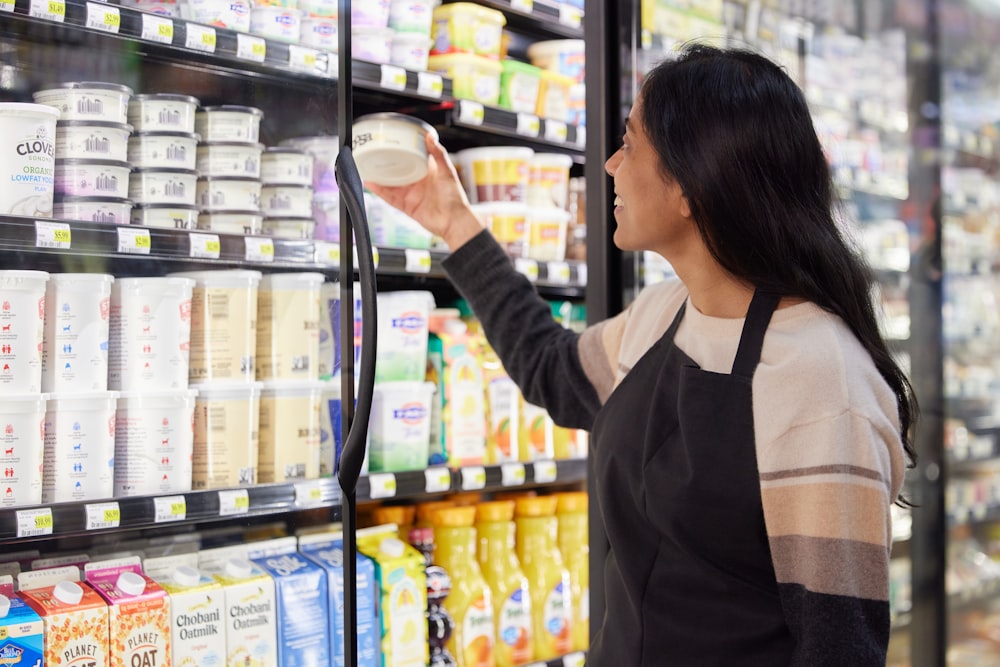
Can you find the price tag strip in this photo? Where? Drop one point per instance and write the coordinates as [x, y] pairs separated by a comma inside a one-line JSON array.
[[528, 125], [327, 254], [133, 240], [437, 479], [33, 523], [233, 501], [555, 131], [50, 10], [512, 474], [430, 84], [102, 516], [558, 272], [250, 48], [259, 249], [417, 261], [525, 6], [471, 113], [306, 59], [393, 77], [473, 478], [103, 17], [570, 16], [52, 235], [169, 508], [200, 38], [381, 485], [309, 494], [7, 5], [205, 246], [527, 268], [157, 29], [545, 472]]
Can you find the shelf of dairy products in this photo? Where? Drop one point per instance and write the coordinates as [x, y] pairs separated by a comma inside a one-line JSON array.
[[203, 506]]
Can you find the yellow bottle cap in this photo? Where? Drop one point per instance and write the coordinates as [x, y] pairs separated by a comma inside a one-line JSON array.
[[454, 517], [539, 506], [401, 515], [426, 510], [495, 510], [571, 501]]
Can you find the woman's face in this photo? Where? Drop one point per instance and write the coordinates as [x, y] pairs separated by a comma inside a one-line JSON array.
[[650, 210]]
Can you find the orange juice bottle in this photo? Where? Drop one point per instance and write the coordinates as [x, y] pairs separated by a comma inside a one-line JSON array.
[[470, 602], [548, 579], [502, 571], [571, 513]]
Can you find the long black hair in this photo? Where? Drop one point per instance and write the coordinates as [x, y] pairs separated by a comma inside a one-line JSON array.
[[734, 131]]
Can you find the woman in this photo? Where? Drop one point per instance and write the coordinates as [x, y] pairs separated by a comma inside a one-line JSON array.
[[749, 428]]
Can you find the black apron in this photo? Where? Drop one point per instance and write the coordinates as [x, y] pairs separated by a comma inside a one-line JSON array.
[[689, 578]]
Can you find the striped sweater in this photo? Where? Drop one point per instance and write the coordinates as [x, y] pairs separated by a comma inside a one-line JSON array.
[[829, 454]]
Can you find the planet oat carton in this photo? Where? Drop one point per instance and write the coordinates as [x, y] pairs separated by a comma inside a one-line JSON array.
[[138, 612], [197, 624], [21, 629], [74, 615]]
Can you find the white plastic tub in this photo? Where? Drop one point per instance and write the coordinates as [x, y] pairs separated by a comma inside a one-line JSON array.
[[495, 173], [232, 14], [371, 44], [565, 56], [288, 311], [548, 180], [547, 234], [22, 321], [79, 447], [320, 32], [411, 16], [289, 228], [228, 123], [89, 140], [230, 160], [75, 346], [370, 14], [162, 112], [154, 441], [226, 435], [228, 194], [283, 24], [390, 148], [410, 50], [400, 426], [92, 178], [286, 166], [402, 335], [163, 186], [289, 431], [27, 138], [87, 100], [163, 150], [324, 150], [93, 209], [293, 201], [231, 222], [22, 447], [171, 216], [508, 222]]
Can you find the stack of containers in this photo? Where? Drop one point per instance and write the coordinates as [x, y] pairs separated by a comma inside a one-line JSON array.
[[222, 368], [162, 152], [287, 192], [410, 21], [229, 187], [496, 180], [150, 333], [91, 171], [548, 197], [326, 195], [80, 412], [466, 41], [562, 94], [319, 24]]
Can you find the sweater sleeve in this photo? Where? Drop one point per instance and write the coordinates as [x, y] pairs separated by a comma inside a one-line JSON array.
[[541, 356]]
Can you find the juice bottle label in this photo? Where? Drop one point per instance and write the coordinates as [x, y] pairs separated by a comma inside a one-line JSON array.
[[514, 629], [557, 618], [407, 637], [476, 641]]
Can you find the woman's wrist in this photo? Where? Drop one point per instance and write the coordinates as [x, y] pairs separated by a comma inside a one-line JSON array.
[[462, 228]]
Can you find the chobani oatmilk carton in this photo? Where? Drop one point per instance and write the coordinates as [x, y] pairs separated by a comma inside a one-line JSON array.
[[74, 615], [138, 612], [21, 629], [197, 624], [249, 607]]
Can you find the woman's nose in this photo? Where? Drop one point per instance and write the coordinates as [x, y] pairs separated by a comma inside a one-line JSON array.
[[611, 165]]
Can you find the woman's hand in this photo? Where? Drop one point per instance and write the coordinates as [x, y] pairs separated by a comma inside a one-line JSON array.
[[438, 201]]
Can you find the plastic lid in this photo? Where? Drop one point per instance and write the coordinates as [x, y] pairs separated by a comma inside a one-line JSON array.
[[187, 576], [426, 510], [4, 606], [164, 97], [571, 501], [535, 507], [392, 547], [454, 517], [130, 584], [95, 123], [27, 107], [233, 108], [401, 515], [85, 85], [238, 568], [495, 510], [68, 592], [391, 165]]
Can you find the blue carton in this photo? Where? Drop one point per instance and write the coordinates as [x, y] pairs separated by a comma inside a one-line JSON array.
[[22, 632]]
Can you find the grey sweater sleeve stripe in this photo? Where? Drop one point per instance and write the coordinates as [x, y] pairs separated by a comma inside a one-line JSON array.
[[541, 356]]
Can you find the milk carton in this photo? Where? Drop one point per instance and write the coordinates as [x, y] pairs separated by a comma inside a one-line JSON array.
[[327, 551], [197, 624], [138, 612], [21, 638], [74, 615], [249, 608], [303, 613]]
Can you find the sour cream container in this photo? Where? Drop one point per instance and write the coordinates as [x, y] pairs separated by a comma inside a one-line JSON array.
[[79, 446], [92, 178], [162, 112], [154, 442], [92, 140], [75, 345], [228, 123], [93, 209], [286, 166], [172, 216], [228, 194], [230, 159], [231, 222], [390, 148], [293, 201], [163, 150], [163, 186], [87, 100], [22, 446]]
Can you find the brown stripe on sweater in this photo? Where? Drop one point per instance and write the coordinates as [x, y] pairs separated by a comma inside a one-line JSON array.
[[831, 510], [819, 565], [843, 469]]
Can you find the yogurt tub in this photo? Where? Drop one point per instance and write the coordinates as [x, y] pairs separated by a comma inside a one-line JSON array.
[[324, 150], [92, 178], [87, 100], [226, 435], [411, 16], [79, 447], [163, 150], [276, 22], [326, 213], [495, 173], [519, 85], [227, 159], [547, 234], [22, 329], [410, 50], [93, 209], [232, 14], [473, 77], [288, 326], [320, 32], [163, 186], [371, 44], [150, 333], [163, 112], [233, 194], [286, 200], [90, 140], [402, 335], [22, 446], [228, 123], [400, 426], [508, 222], [548, 180], [223, 325], [289, 228], [27, 137], [565, 56], [154, 442], [286, 166], [390, 148], [289, 431], [465, 27], [75, 345], [172, 216], [370, 14], [232, 222]]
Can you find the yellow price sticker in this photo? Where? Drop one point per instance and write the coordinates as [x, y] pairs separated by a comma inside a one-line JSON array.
[[242, 502], [112, 20], [43, 521], [57, 8], [178, 509], [381, 485], [208, 38], [165, 29], [112, 515], [62, 235], [259, 49], [213, 246], [142, 241], [7, 3]]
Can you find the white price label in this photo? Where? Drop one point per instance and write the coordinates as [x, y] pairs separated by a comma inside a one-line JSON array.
[[558, 272], [133, 240], [430, 84], [545, 472], [303, 58], [381, 485], [581, 274], [473, 478], [7, 5], [574, 660], [581, 136], [393, 78], [437, 479], [259, 249], [527, 268], [169, 508], [200, 38], [102, 516], [50, 10], [570, 15], [418, 261], [205, 246], [234, 501], [327, 254], [157, 29], [52, 235], [512, 474], [555, 131], [374, 256], [251, 48], [528, 124], [471, 113], [309, 494], [32, 523], [525, 6], [103, 17]]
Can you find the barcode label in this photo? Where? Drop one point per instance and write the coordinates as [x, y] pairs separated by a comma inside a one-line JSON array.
[[133, 241], [7, 5], [200, 38], [169, 508], [235, 501], [32, 523], [249, 47], [157, 29], [103, 17], [103, 516], [50, 10], [52, 235]]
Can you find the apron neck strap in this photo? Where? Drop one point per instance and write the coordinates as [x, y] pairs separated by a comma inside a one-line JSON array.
[[762, 306]]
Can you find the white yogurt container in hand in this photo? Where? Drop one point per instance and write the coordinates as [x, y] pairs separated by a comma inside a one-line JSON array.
[[163, 150], [22, 320], [88, 100], [230, 159], [228, 123], [89, 140], [27, 140], [93, 209], [162, 112], [163, 186], [22, 446], [92, 178], [75, 346], [390, 149], [228, 194], [171, 216]]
